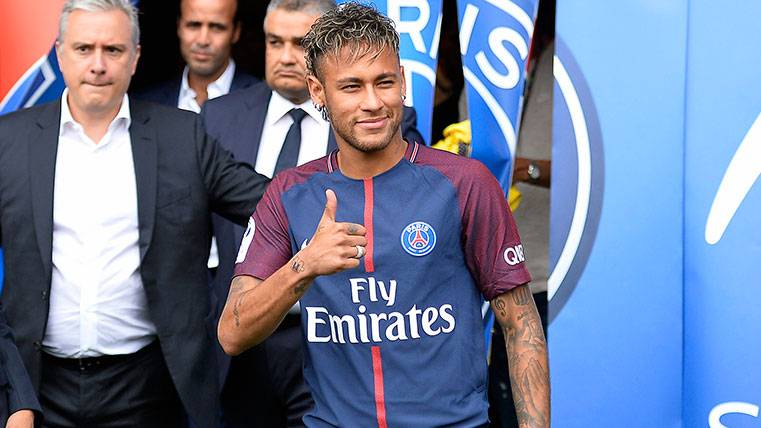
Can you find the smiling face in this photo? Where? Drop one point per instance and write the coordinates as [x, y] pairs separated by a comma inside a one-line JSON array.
[[207, 31], [97, 60], [284, 64], [363, 97]]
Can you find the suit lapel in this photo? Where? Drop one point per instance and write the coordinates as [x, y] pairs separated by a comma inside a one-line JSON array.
[[254, 123], [42, 157], [145, 158]]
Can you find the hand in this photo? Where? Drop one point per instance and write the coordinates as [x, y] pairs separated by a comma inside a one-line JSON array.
[[333, 248], [21, 419]]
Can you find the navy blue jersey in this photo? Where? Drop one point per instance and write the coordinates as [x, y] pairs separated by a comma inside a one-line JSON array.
[[397, 341]]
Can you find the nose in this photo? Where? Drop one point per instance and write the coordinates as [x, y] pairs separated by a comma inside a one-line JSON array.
[[288, 54], [203, 36], [98, 65], [371, 101]]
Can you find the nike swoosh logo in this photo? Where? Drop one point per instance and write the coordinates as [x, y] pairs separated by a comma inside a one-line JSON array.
[[741, 174], [305, 243]]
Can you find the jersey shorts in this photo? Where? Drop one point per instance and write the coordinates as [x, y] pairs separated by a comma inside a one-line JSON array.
[[397, 341]]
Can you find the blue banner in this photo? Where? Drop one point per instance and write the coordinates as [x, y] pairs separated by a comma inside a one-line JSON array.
[[419, 25], [615, 335], [495, 38], [722, 205]]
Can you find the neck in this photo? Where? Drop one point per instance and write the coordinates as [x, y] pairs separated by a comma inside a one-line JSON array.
[[199, 83], [357, 164], [94, 123]]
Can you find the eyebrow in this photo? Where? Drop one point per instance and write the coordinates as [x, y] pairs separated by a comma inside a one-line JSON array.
[[296, 40]]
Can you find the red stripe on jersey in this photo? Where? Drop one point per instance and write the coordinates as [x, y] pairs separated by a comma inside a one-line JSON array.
[[380, 401], [369, 266]]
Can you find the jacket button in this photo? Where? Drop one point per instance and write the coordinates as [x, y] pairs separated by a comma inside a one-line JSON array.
[[37, 345], [44, 295]]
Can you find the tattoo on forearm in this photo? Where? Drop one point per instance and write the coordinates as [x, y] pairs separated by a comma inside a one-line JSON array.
[[529, 375], [297, 265], [300, 288], [500, 304], [521, 296]]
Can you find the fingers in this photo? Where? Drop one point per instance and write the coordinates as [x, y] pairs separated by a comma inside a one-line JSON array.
[[331, 205]]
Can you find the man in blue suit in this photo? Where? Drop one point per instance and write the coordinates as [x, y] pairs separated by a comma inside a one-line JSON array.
[[264, 125], [207, 29]]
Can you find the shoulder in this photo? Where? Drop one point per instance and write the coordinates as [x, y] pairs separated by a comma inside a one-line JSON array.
[[166, 92], [30, 114], [242, 80], [257, 94], [293, 177], [456, 168], [169, 116]]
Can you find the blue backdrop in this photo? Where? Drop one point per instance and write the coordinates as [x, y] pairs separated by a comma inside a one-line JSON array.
[[655, 243]]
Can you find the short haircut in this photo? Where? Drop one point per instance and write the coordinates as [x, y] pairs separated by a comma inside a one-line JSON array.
[[100, 6], [316, 7], [359, 27], [237, 19]]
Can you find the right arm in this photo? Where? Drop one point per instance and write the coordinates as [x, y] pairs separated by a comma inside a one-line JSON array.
[[255, 307]]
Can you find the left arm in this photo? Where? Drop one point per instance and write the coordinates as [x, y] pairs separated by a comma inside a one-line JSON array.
[[526, 355]]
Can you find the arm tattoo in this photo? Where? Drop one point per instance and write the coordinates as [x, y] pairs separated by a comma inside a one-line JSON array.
[[297, 265], [301, 288], [522, 295], [500, 304], [237, 288]]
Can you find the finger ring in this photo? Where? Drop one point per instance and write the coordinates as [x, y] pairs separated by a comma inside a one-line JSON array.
[[360, 251]]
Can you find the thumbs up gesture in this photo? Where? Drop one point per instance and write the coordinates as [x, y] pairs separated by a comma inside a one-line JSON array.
[[335, 246]]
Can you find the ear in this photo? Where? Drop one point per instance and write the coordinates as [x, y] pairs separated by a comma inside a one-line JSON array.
[[403, 81], [316, 90], [58, 48], [134, 60], [236, 32]]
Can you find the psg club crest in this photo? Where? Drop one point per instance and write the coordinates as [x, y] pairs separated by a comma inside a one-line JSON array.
[[418, 238]]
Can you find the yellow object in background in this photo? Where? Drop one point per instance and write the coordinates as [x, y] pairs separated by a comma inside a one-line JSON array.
[[457, 139]]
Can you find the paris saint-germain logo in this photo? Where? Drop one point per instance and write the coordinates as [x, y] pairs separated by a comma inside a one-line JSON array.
[[418, 238]]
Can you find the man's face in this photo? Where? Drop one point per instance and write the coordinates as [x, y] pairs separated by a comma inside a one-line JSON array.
[[207, 31], [97, 60], [284, 65], [363, 98]]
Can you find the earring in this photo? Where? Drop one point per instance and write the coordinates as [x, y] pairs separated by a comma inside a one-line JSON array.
[[404, 98]]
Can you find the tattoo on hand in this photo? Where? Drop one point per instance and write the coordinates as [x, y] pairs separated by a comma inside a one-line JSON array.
[[297, 265], [352, 229]]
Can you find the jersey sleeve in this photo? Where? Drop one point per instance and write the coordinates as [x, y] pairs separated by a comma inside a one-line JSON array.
[[265, 246], [493, 249]]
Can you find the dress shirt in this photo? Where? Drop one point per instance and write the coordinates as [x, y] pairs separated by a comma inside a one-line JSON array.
[[217, 88], [97, 302], [314, 134], [187, 101]]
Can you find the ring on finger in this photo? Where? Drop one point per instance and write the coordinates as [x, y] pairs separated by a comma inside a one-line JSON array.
[[360, 251]]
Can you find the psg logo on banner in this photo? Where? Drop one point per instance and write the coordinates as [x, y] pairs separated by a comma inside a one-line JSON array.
[[418, 239]]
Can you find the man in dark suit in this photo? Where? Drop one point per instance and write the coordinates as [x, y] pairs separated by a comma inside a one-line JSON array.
[[207, 30], [272, 125], [105, 207], [18, 402]]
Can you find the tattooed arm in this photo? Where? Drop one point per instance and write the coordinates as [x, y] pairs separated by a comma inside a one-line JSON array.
[[255, 307], [526, 355]]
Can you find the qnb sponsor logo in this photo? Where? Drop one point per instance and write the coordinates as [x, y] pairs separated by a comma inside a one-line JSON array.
[[375, 327], [514, 255], [741, 174], [721, 409]]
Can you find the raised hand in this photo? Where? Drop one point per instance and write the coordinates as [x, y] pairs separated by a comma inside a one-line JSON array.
[[335, 246]]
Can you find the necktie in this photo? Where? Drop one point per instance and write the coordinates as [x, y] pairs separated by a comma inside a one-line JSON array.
[[289, 154]]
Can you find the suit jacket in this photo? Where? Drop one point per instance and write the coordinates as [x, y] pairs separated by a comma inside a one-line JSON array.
[[181, 176], [236, 120], [16, 391], [168, 93]]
